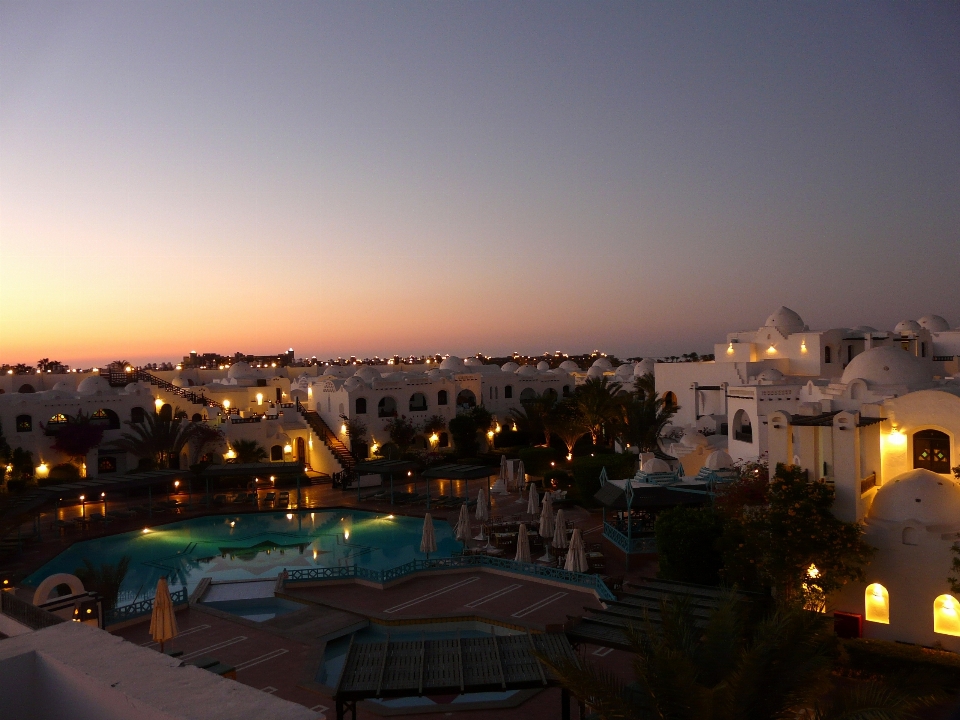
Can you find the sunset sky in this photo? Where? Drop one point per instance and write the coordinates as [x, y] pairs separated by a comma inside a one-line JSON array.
[[372, 177]]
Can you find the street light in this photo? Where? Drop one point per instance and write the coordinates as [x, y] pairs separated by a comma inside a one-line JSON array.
[[83, 506]]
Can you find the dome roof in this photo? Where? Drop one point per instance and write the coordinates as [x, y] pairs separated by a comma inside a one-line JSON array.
[[595, 372], [907, 326], [785, 320], [602, 363], [643, 367], [624, 372], [865, 329], [367, 373], [178, 382], [241, 370], [472, 362], [351, 383], [569, 366], [65, 386], [919, 495], [719, 460], [887, 365], [934, 323], [656, 465], [543, 365], [451, 363], [770, 375], [394, 376], [510, 367], [137, 388], [527, 371], [93, 385]]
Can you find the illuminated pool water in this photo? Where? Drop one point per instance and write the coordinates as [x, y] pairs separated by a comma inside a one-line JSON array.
[[238, 547]]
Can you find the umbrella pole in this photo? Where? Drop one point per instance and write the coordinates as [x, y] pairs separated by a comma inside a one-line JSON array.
[[391, 488]]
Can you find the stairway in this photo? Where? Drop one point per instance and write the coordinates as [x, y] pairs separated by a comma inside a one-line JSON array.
[[188, 395], [322, 430]]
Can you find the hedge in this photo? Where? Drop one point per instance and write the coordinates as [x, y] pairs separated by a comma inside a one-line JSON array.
[[913, 663]]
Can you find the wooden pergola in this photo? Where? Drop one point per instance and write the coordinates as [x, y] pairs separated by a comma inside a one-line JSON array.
[[414, 668], [454, 471]]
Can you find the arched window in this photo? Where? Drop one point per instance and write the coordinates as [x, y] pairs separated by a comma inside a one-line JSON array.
[[527, 394], [827, 355], [361, 406], [197, 417], [24, 423], [876, 602], [276, 453], [946, 615], [931, 450], [550, 394], [105, 418], [508, 392], [137, 414], [442, 397], [418, 402], [106, 464], [387, 407], [56, 422], [670, 399], [742, 427], [466, 400], [566, 391], [26, 388], [166, 412]]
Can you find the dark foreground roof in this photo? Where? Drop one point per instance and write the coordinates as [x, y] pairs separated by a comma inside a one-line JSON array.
[[410, 668]]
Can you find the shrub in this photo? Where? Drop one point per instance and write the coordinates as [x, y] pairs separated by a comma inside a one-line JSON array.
[[536, 460], [64, 472], [688, 545], [919, 666], [557, 478]]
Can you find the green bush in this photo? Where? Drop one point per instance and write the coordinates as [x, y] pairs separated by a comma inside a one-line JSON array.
[[586, 472], [688, 545], [536, 460], [62, 473], [900, 664]]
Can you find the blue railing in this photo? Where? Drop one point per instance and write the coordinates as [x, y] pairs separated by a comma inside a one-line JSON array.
[[592, 582], [141, 608], [642, 544]]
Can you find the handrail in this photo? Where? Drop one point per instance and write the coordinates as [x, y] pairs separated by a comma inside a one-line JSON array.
[[592, 582], [633, 544], [142, 375], [27, 614], [336, 446], [141, 608]]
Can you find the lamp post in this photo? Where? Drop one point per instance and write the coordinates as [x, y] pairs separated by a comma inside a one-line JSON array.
[[83, 506], [103, 499]]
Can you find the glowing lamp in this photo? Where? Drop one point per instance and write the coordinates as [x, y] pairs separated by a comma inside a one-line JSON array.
[[490, 434], [128, 369], [146, 530], [288, 448], [409, 473], [434, 439], [233, 523], [346, 534], [730, 349], [259, 398], [42, 469], [771, 350], [230, 454], [176, 483], [813, 571], [159, 404], [389, 517], [226, 404], [343, 429], [82, 498], [289, 516], [569, 456], [803, 346]]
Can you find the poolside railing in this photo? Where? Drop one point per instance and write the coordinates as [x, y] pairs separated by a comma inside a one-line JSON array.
[[141, 608], [354, 572], [635, 544]]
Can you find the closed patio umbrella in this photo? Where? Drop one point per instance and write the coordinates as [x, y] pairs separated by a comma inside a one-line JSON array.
[[547, 525], [163, 622], [577, 554], [560, 531], [500, 487], [533, 501], [428, 542], [482, 514], [521, 476], [462, 529], [523, 545]]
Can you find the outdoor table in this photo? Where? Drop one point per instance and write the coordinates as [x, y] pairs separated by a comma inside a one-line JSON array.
[[494, 551]]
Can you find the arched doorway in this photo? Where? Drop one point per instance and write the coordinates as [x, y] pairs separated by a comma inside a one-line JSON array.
[[301, 451], [166, 413], [742, 427], [931, 451], [466, 400]]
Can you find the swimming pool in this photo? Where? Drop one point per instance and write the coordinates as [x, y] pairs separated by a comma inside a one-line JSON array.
[[239, 547]]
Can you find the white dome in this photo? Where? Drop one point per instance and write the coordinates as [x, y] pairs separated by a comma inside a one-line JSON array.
[[887, 365], [569, 366], [905, 327], [527, 371], [643, 367], [865, 329], [352, 383], [137, 388], [656, 465], [719, 460], [595, 372], [770, 375], [93, 385], [241, 371], [624, 372], [510, 367], [65, 386], [786, 320], [934, 323], [434, 374], [452, 363], [472, 362], [602, 363], [919, 495], [394, 376], [368, 373], [178, 382], [543, 365]]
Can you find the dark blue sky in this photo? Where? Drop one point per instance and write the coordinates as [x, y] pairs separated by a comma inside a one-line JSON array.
[[462, 177]]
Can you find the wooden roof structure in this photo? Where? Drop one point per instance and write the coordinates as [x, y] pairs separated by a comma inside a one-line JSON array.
[[411, 668]]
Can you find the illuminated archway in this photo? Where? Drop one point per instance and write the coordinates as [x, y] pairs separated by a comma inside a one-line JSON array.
[[946, 615], [876, 601]]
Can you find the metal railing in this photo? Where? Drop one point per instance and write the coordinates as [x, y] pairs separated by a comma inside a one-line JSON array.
[[141, 608], [643, 544], [26, 613], [188, 395], [591, 582]]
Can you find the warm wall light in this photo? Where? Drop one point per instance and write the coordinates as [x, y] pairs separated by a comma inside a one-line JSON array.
[[489, 434], [434, 439], [346, 534], [803, 346], [158, 403], [771, 350], [730, 349], [946, 619], [226, 404], [813, 571], [259, 398], [288, 448], [876, 602], [343, 429]]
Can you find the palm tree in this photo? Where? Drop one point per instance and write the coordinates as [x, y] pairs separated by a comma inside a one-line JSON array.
[[105, 580], [531, 419], [598, 403], [248, 452], [567, 422], [721, 668], [356, 432], [158, 440]]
